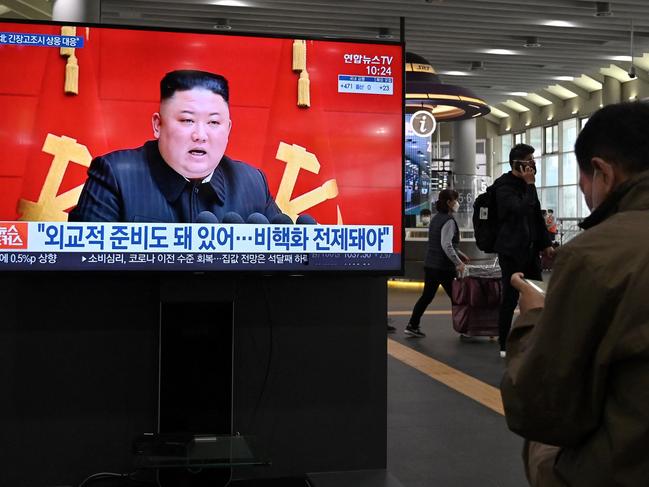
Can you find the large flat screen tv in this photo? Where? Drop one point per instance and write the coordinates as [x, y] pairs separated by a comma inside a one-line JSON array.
[[120, 149]]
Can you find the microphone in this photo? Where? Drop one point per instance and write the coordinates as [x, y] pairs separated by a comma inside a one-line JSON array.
[[257, 219], [305, 219], [206, 217], [281, 219], [232, 217]]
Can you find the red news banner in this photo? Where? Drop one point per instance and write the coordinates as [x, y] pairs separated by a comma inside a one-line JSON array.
[[338, 160]]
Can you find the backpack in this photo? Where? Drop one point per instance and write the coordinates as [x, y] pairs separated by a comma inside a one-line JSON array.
[[485, 220]]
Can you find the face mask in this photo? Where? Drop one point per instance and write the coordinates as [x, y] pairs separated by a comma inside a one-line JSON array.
[[425, 221], [455, 207]]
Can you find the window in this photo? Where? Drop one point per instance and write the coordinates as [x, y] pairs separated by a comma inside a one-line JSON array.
[[535, 141], [551, 171], [568, 201], [550, 199], [551, 139], [569, 168], [568, 134], [558, 171], [506, 147]]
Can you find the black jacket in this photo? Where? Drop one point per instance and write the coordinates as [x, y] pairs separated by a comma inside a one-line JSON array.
[[520, 221], [137, 185]]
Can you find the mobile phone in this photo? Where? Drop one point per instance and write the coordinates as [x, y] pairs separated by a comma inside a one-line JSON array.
[[539, 286], [521, 165]]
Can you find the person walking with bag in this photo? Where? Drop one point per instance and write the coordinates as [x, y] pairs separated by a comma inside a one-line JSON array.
[[443, 259], [522, 233]]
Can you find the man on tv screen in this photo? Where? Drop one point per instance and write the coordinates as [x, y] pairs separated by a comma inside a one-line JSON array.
[[182, 173]]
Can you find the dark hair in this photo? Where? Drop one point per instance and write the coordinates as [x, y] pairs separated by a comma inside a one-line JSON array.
[[618, 134], [188, 79], [519, 152], [425, 212], [445, 195]]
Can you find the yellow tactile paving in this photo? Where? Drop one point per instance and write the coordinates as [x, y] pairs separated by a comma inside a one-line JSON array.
[[485, 394]]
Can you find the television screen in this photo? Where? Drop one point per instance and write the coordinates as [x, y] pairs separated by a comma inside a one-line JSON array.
[[134, 149]]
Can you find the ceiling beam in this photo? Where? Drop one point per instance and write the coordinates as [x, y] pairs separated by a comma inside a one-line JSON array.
[[642, 75], [559, 102], [492, 118], [513, 114], [535, 109], [32, 9], [569, 85]]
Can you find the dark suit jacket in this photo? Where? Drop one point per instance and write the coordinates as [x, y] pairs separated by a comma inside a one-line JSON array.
[[137, 185], [520, 221]]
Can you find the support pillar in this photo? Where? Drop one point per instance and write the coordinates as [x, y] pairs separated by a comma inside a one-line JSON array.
[[611, 91]]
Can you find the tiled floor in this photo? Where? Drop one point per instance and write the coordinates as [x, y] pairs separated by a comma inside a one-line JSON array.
[[438, 437]]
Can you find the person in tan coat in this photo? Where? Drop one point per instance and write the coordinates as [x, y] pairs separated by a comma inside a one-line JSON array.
[[576, 384]]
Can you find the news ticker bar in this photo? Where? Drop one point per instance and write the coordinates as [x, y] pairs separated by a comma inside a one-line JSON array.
[[158, 261], [194, 238]]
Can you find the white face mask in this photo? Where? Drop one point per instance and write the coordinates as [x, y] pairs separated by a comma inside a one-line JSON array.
[[425, 221], [455, 207]]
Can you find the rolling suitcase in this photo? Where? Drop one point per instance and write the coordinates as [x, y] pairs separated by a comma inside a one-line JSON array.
[[476, 301]]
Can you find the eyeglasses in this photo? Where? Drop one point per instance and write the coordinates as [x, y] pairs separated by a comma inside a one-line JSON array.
[[525, 161]]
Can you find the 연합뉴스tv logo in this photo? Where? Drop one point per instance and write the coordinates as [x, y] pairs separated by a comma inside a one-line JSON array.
[[13, 235]]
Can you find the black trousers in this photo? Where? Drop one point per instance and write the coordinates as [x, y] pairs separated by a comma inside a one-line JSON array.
[[433, 278], [529, 264]]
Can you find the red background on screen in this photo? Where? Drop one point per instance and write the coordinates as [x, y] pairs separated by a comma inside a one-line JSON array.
[[357, 138]]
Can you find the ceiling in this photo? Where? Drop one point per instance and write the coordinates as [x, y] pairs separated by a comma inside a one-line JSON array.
[[451, 34]]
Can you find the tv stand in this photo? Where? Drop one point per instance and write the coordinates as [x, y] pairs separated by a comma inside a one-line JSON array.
[[194, 445]]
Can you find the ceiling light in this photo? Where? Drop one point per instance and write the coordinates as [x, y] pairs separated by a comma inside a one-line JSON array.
[[550, 117], [563, 78], [425, 91], [517, 93], [633, 97], [4, 9], [500, 52], [558, 23], [231, 3], [455, 73], [528, 123], [532, 42], [620, 58], [603, 9], [384, 33]]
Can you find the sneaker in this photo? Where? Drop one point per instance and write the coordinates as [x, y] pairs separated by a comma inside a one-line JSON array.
[[391, 329], [503, 354], [414, 331], [465, 337]]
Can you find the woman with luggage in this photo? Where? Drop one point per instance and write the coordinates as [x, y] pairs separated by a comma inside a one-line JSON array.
[[443, 259]]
